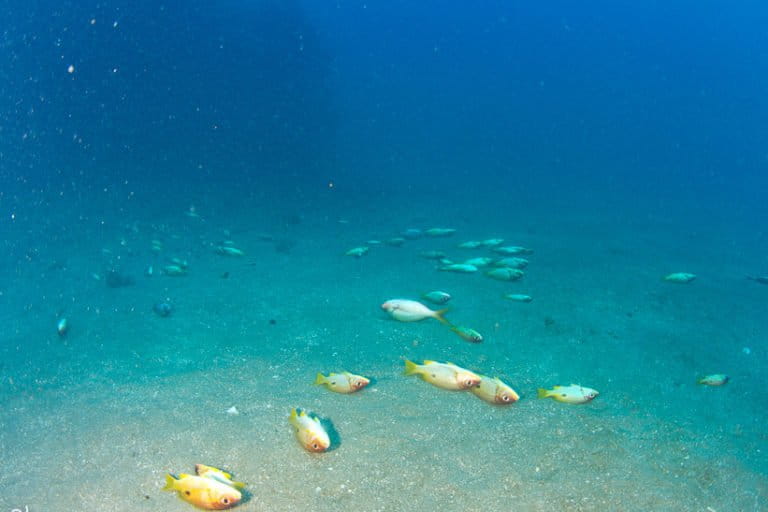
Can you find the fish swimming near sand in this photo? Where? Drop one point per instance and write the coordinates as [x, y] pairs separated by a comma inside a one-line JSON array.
[[467, 334], [309, 431], [217, 474], [573, 394], [343, 382], [443, 375], [406, 310], [206, 493], [494, 391]]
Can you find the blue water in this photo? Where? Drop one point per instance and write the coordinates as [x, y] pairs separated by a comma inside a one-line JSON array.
[[621, 142]]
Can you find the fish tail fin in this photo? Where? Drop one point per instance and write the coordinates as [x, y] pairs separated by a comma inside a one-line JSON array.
[[170, 482], [542, 393], [411, 368], [439, 315], [700, 381], [320, 379], [293, 417]]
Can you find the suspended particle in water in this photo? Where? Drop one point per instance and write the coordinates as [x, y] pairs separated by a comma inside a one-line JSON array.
[[71, 69]]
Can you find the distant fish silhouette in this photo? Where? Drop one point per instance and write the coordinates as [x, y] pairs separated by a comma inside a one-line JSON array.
[[759, 279]]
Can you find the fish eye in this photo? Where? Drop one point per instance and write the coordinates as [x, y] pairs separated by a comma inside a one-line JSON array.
[[188, 493], [315, 446], [225, 501], [505, 398]]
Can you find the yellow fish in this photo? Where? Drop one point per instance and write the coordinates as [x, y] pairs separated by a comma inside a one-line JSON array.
[[217, 474], [343, 382], [495, 391], [573, 394], [309, 431], [203, 492], [443, 375]]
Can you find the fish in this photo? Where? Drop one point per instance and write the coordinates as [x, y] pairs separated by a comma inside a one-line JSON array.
[[343, 382], [492, 242], [206, 493], [433, 255], [518, 297], [468, 334], [62, 327], [395, 242], [174, 270], [495, 391], [716, 379], [357, 252], [443, 375], [309, 431], [229, 250], [439, 232], [758, 279], [505, 274], [573, 394], [511, 262], [217, 474], [437, 297], [471, 244], [461, 268], [680, 277], [406, 310], [482, 261], [513, 250], [412, 234]]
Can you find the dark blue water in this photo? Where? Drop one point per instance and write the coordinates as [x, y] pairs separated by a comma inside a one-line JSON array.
[[623, 141]]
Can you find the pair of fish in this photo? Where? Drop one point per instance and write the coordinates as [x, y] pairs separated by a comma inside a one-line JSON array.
[[406, 310], [210, 488], [309, 431], [455, 378]]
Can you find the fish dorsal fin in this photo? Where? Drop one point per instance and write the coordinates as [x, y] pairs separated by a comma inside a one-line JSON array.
[[429, 361], [316, 420], [303, 413], [182, 476], [332, 374]]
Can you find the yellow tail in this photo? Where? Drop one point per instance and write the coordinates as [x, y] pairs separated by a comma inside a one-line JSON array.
[[170, 483], [411, 368], [320, 379], [439, 316], [542, 393]]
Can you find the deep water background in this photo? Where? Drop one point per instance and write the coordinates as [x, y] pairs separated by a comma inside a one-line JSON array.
[[582, 106]]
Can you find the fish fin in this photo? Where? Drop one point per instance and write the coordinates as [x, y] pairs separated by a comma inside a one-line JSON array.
[[542, 393], [320, 379], [700, 381], [439, 316], [170, 483], [292, 418], [200, 468], [317, 420], [429, 361], [302, 413], [238, 485], [411, 367], [184, 475]]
